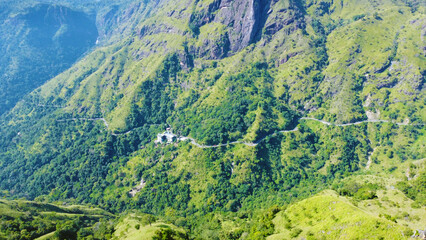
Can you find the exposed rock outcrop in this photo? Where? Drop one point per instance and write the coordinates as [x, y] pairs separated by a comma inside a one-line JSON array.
[[246, 22], [245, 18], [291, 18]]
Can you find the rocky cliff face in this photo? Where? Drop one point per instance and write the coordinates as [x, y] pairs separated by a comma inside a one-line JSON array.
[[245, 22]]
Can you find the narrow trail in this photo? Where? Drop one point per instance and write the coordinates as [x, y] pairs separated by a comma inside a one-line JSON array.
[[370, 159], [93, 119], [250, 144], [85, 119], [104, 121], [43, 105]]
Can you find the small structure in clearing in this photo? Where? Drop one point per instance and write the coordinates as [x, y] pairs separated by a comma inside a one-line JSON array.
[[137, 189], [166, 137]]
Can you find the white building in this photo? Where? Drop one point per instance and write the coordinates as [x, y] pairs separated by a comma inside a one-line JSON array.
[[166, 137]]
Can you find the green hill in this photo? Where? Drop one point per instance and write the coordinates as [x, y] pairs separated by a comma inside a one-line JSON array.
[[29, 220], [328, 216], [139, 227]]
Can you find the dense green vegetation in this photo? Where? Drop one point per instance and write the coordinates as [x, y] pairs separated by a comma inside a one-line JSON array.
[[327, 216], [416, 188], [87, 135], [248, 102], [37, 43], [30, 220]]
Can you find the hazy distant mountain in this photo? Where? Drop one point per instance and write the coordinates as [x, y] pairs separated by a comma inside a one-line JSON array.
[[36, 44]]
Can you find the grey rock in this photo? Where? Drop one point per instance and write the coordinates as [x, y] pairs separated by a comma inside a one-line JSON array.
[[245, 19]]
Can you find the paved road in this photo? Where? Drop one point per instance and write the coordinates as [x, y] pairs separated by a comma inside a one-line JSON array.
[[253, 144], [355, 123], [250, 144]]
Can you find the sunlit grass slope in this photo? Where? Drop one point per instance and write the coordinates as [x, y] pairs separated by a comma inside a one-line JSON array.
[[328, 216]]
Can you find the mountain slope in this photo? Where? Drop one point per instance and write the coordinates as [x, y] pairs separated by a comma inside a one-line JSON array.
[[37, 43], [329, 216], [30, 220], [223, 72]]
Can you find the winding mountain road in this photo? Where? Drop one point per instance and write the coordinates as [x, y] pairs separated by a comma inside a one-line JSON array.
[[355, 123], [85, 119], [250, 144]]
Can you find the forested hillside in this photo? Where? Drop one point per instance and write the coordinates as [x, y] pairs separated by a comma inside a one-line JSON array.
[[271, 101], [36, 44]]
